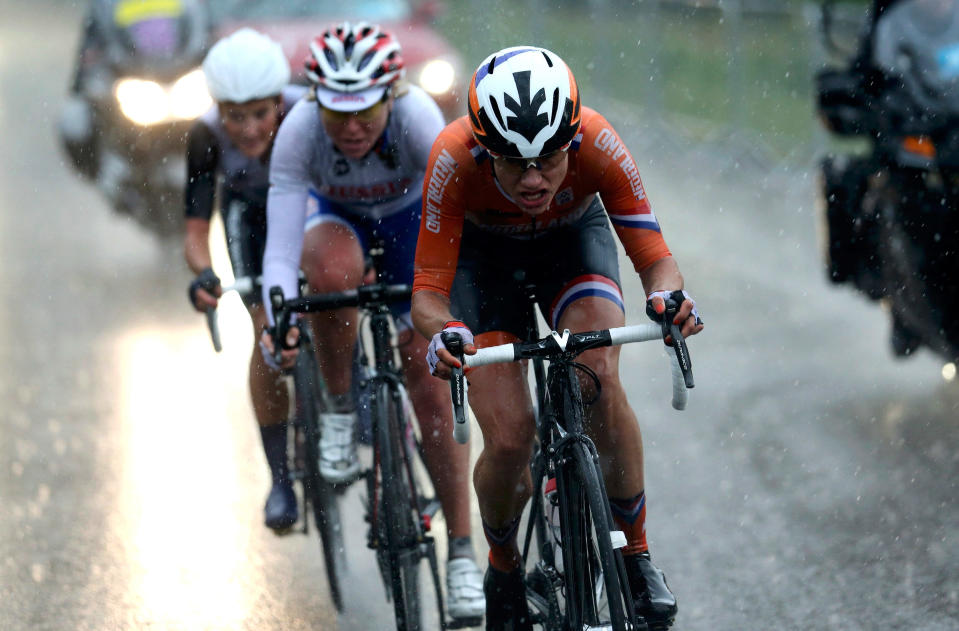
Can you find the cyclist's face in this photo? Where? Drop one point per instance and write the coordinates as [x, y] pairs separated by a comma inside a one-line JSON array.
[[532, 183], [355, 133], [251, 125]]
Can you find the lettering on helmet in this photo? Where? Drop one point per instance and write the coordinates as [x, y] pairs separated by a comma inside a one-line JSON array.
[[443, 168], [352, 98], [607, 142]]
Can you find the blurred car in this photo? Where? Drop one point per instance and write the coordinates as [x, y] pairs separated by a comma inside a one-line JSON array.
[[431, 62]]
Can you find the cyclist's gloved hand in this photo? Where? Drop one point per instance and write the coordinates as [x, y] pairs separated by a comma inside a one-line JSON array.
[[687, 318], [267, 346], [204, 289], [436, 345]]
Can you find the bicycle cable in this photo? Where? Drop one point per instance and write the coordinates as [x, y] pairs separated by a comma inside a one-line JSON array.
[[593, 376]]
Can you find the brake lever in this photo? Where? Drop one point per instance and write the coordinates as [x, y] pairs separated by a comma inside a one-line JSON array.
[[679, 344], [281, 317], [461, 429], [212, 324]]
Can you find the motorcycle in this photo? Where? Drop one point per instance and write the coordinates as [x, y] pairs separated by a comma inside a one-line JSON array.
[[891, 213], [143, 95]]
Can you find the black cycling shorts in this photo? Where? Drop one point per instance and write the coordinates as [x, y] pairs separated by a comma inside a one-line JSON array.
[[245, 227], [490, 292]]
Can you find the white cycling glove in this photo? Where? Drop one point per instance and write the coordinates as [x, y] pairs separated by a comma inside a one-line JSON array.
[[268, 356], [453, 326], [665, 295]]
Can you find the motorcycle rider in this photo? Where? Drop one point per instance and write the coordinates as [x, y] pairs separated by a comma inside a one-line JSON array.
[[347, 168], [228, 157], [511, 199], [117, 35], [903, 77]]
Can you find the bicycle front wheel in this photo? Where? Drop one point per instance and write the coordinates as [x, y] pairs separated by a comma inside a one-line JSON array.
[[320, 494], [400, 529], [596, 597]]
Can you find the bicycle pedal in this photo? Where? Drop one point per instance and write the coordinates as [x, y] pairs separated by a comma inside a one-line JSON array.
[[464, 623]]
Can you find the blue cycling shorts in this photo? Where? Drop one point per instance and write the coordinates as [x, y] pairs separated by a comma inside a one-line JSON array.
[[397, 231]]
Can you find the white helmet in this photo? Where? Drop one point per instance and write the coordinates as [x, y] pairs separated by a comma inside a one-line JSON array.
[[245, 66], [352, 65], [523, 102]]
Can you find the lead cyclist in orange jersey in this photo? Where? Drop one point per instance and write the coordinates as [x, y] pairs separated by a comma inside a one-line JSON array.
[[512, 198]]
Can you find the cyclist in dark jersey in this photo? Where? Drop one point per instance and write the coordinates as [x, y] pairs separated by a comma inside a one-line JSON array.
[[228, 156], [512, 197]]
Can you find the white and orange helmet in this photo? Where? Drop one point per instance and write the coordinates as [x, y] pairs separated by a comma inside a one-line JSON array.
[[524, 103]]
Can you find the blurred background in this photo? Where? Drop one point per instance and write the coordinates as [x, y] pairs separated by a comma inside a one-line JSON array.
[[811, 483]]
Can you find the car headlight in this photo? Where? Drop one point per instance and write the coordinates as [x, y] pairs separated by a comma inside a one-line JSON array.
[[437, 76], [148, 102], [143, 102], [189, 97]]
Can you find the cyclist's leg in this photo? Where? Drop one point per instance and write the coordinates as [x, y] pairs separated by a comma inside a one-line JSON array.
[[611, 421], [271, 401], [246, 237], [489, 296], [499, 397], [590, 298], [333, 261], [446, 460]]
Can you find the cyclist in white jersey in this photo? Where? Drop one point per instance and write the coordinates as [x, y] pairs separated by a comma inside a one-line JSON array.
[[347, 169], [229, 149]]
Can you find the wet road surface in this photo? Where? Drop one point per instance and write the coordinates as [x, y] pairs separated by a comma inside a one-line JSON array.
[[810, 484]]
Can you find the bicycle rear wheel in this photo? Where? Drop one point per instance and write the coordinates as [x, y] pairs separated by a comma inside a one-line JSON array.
[[319, 494], [403, 543], [597, 595]]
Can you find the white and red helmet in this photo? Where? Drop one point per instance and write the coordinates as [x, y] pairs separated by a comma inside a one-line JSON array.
[[523, 103], [352, 66]]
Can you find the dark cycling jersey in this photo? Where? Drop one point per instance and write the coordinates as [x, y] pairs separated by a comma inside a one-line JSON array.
[[211, 155]]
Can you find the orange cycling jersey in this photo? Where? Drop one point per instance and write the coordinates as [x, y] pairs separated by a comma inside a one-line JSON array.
[[459, 184]]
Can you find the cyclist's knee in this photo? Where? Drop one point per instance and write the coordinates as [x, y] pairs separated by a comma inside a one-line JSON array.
[[332, 261], [508, 449], [605, 366]]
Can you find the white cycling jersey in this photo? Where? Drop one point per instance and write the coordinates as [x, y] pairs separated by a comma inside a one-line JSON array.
[[385, 181]]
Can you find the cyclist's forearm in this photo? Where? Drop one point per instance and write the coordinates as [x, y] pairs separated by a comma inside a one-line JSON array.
[[663, 275], [196, 245], [430, 311]]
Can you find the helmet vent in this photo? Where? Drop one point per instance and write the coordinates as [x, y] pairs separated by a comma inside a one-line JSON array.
[[552, 116], [366, 59], [492, 64], [348, 46], [549, 62]]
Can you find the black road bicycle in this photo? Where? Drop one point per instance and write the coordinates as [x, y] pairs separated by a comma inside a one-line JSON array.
[[318, 496], [586, 586], [399, 508]]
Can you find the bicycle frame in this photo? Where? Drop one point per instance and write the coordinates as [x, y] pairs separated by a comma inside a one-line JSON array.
[[399, 525], [559, 426], [593, 578]]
